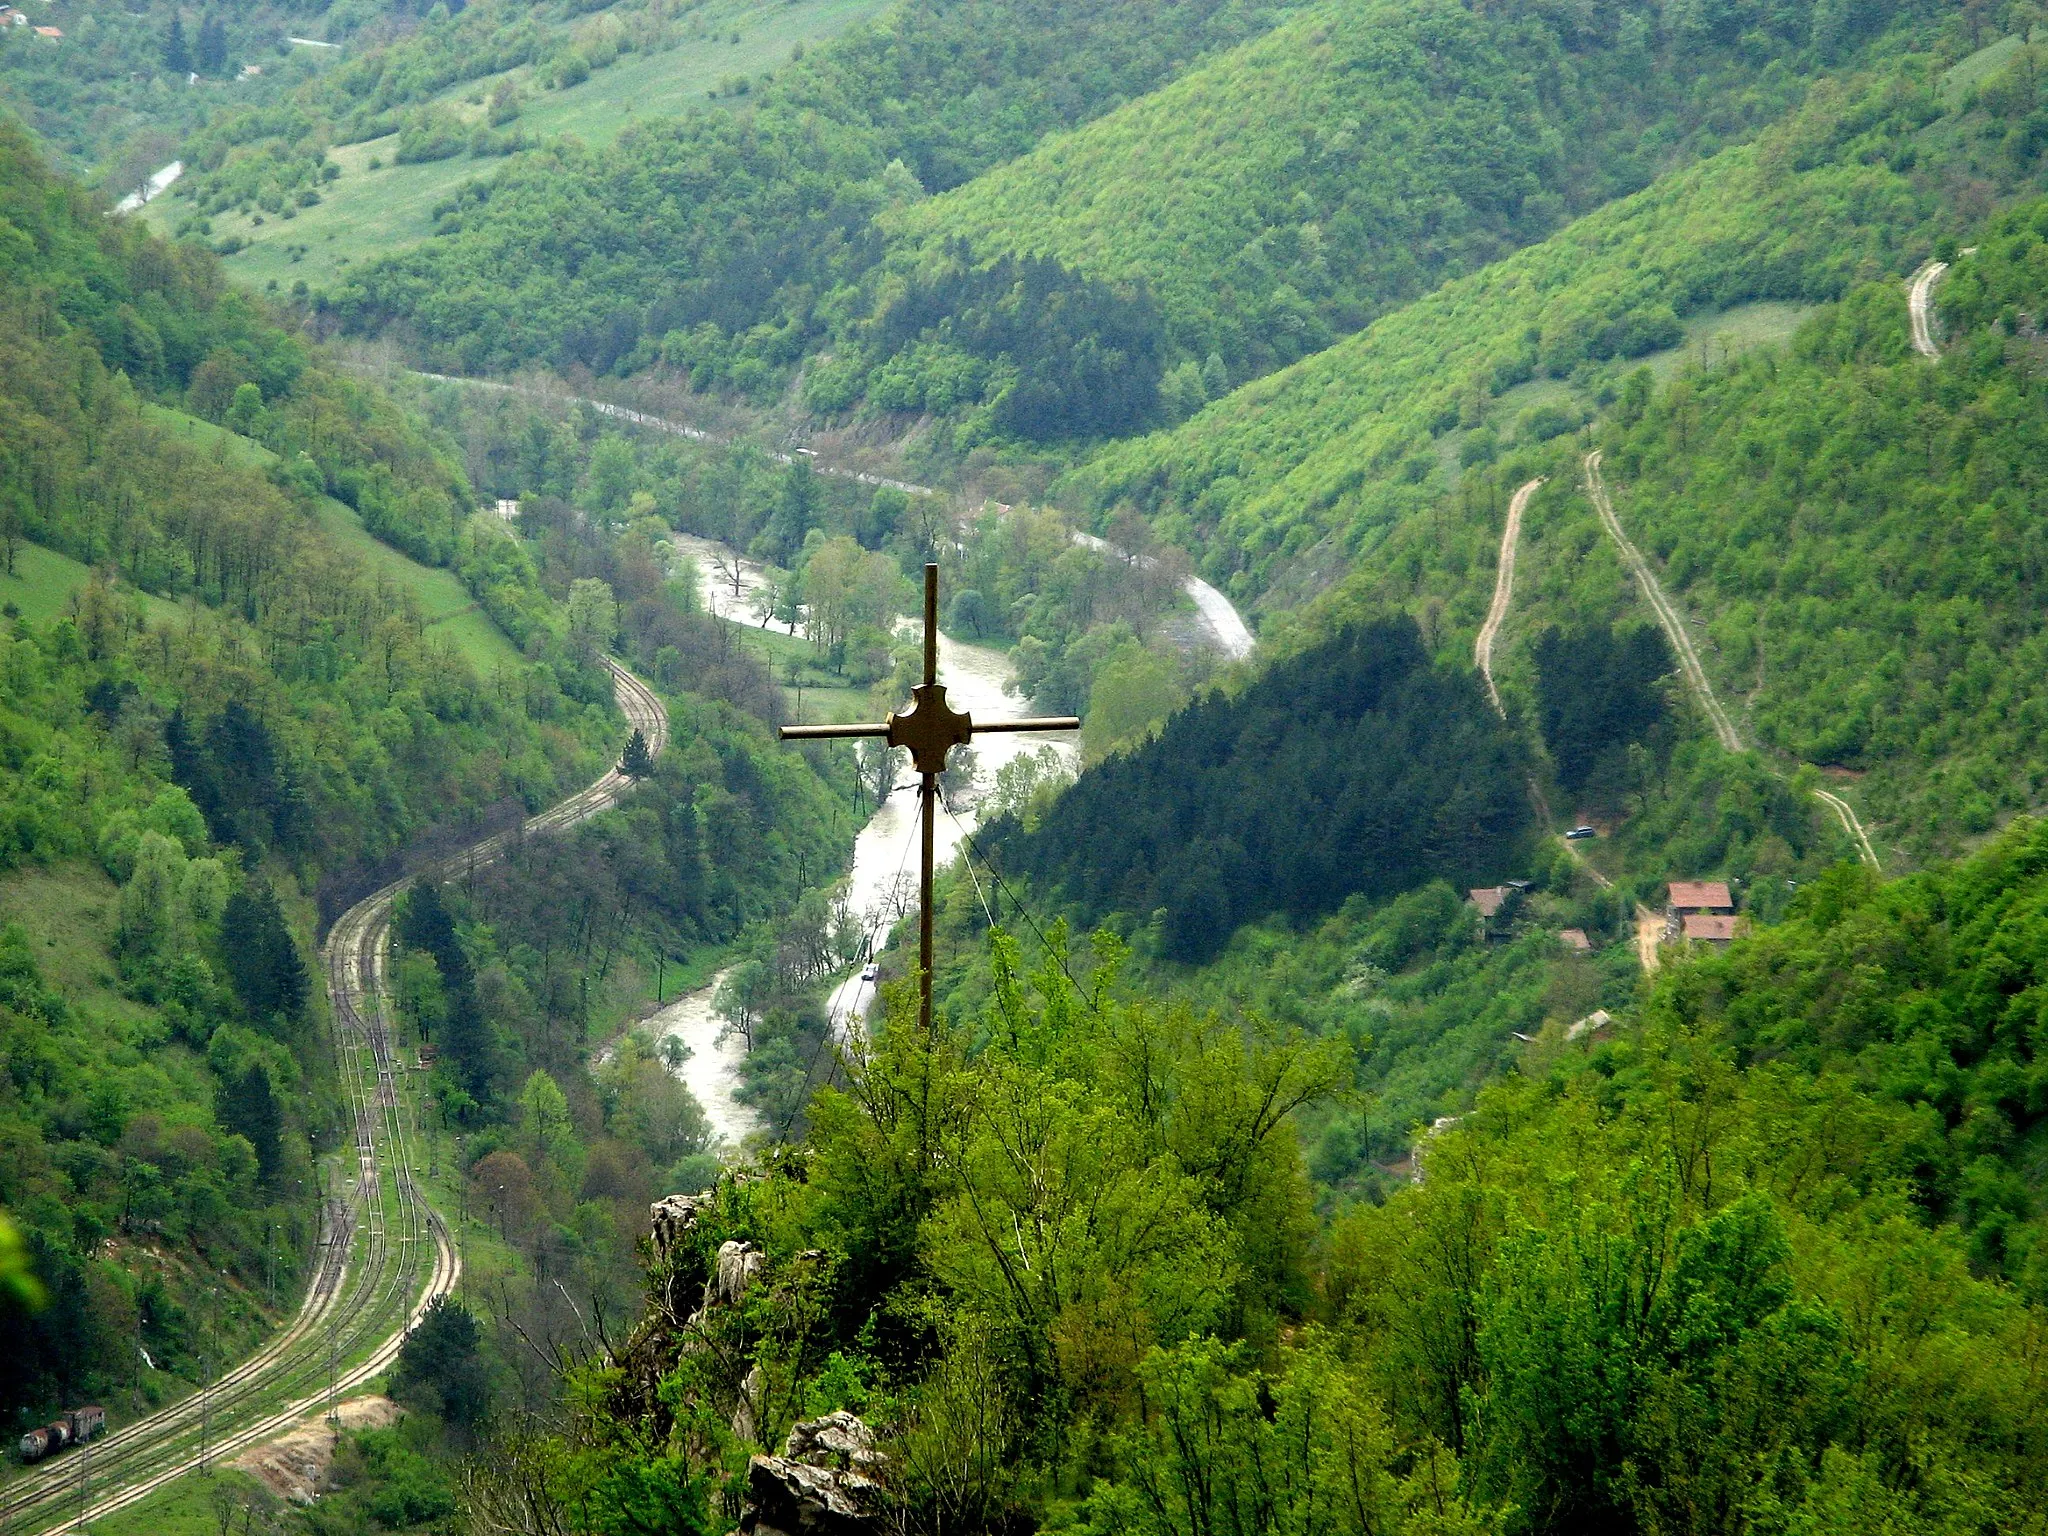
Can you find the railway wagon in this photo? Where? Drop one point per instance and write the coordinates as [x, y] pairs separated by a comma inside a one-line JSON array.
[[75, 1426]]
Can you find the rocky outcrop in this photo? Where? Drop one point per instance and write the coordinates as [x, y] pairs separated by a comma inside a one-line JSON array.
[[812, 1488], [837, 1440], [674, 1216], [738, 1264]]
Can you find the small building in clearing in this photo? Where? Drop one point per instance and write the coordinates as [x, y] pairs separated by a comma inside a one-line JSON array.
[[1714, 928], [1495, 906], [1575, 940], [1710, 898], [1700, 896]]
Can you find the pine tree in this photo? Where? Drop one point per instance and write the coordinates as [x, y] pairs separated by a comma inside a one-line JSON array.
[[441, 1367], [466, 1036], [262, 961], [638, 762], [213, 46], [177, 57], [250, 1109]]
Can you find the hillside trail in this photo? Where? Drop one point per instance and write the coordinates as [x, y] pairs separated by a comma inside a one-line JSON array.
[[1503, 591], [1917, 295], [1688, 659], [1649, 935], [361, 1300], [1482, 654], [1225, 625], [1667, 615]]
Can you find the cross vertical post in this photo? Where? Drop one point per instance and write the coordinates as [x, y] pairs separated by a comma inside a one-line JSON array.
[[929, 730]]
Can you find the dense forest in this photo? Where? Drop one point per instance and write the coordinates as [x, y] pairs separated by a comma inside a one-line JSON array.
[[1353, 768], [1289, 191]]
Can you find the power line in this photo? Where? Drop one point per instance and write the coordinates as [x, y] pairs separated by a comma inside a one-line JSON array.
[[869, 933], [1003, 886]]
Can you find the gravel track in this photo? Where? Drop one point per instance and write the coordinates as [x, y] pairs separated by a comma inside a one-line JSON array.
[[1503, 592], [1917, 294], [1688, 658]]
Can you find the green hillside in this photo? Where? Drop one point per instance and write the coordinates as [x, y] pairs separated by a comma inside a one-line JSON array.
[[1753, 1261], [382, 202], [1290, 190], [1289, 481], [213, 715], [584, 256]]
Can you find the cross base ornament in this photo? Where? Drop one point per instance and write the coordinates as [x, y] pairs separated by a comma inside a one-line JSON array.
[[928, 730]]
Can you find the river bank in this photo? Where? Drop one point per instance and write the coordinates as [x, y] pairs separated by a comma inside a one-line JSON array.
[[882, 882]]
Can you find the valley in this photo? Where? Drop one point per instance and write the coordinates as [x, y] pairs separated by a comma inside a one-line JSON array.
[[1514, 1014]]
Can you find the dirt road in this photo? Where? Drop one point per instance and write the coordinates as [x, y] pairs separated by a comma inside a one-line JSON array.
[[1503, 591], [1917, 295], [1667, 615], [1688, 658]]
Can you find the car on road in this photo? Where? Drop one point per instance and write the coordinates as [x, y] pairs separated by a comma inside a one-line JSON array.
[[1578, 833], [870, 971]]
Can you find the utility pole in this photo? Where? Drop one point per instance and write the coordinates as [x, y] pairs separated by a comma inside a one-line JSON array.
[[930, 730], [333, 1417], [205, 1407]]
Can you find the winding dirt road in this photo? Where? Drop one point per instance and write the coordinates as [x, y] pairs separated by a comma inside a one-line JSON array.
[[1503, 591], [367, 1289], [1667, 615], [1917, 296], [1688, 658]]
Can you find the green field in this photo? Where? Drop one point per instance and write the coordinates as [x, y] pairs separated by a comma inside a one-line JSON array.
[[1712, 340], [1976, 69], [370, 213], [443, 600], [44, 580], [826, 695], [183, 1508]]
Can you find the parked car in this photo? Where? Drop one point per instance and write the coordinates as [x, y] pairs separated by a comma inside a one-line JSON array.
[[870, 971], [1578, 833]]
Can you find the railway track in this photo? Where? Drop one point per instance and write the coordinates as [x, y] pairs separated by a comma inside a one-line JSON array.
[[367, 1289]]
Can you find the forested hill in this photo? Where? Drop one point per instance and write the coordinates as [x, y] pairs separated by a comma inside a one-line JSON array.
[[1352, 768], [1850, 521], [1288, 191], [1288, 482], [208, 706], [223, 708], [1765, 1261], [712, 241], [1249, 211]]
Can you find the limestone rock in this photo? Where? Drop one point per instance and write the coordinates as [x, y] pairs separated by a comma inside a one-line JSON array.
[[791, 1498], [839, 1440], [737, 1265], [674, 1216], [746, 1414]]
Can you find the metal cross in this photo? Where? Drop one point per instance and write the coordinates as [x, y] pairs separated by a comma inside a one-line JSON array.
[[930, 730]]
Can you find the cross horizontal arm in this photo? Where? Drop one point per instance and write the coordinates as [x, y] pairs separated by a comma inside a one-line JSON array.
[[1049, 723], [831, 732]]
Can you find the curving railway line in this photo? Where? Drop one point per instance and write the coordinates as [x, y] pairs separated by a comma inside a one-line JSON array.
[[369, 1285]]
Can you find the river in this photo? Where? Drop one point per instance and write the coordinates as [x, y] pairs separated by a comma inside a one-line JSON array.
[[882, 881]]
